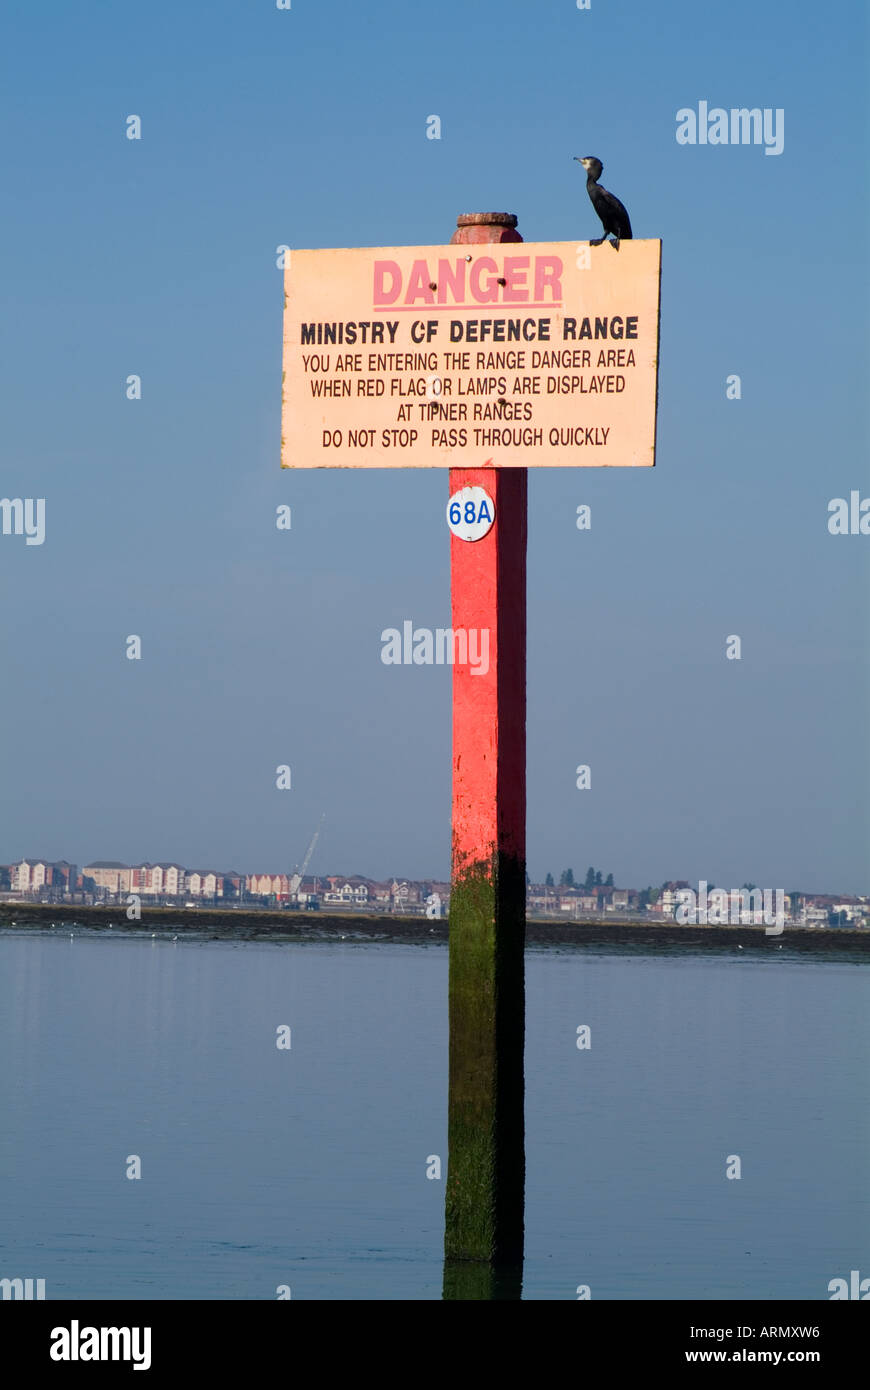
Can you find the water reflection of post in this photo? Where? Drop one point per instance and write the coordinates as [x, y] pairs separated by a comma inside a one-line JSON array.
[[474, 1280], [486, 1159]]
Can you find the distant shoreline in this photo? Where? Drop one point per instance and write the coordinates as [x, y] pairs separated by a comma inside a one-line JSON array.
[[235, 924]]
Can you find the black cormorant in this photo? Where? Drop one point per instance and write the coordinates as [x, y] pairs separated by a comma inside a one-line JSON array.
[[614, 217]]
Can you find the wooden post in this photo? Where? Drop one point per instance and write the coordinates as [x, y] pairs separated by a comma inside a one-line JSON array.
[[348, 296], [486, 1159]]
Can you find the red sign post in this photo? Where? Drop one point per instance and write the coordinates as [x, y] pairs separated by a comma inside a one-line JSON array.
[[495, 358], [486, 1155]]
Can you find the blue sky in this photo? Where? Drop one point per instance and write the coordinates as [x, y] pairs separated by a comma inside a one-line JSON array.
[[157, 257]]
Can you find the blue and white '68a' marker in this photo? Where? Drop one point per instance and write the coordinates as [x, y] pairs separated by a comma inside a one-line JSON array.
[[470, 513]]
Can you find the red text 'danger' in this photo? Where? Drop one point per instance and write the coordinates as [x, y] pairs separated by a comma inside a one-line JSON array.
[[454, 280]]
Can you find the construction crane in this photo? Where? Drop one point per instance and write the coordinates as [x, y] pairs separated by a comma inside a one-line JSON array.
[[299, 872]]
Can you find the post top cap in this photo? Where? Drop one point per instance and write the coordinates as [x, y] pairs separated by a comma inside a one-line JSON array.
[[486, 219]]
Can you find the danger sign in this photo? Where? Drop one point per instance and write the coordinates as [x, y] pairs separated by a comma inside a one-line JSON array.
[[506, 355]]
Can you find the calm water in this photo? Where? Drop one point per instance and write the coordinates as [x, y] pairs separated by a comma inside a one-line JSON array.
[[307, 1167]]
